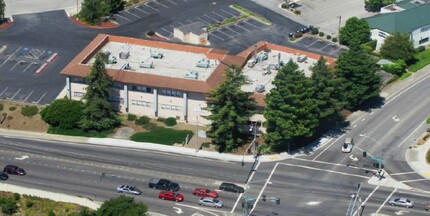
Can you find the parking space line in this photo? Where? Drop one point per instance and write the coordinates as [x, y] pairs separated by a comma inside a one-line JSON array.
[[15, 94], [155, 1], [166, 31], [16, 64], [325, 46], [216, 36], [4, 62], [250, 24], [151, 7], [3, 91], [389, 196], [202, 20], [242, 28], [28, 95], [41, 54], [219, 15], [10, 56], [232, 29], [123, 17], [181, 23], [313, 43], [211, 18], [132, 14], [228, 12], [141, 10], [28, 66], [223, 33], [172, 2], [41, 98]]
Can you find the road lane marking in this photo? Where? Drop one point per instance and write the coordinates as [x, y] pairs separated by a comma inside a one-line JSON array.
[[246, 187], [264, 187], [411, 134], [413, 180], [334, 164], [331, 171], [201, 209], [402, 173], [368, 197], [405, 90], [386, 200]]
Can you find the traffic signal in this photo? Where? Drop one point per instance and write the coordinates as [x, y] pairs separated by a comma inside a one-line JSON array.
[[263, 198], [278, 201], [364, 154]]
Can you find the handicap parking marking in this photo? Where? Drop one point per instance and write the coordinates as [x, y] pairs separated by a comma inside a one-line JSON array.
[[128, 11], [137, 8]]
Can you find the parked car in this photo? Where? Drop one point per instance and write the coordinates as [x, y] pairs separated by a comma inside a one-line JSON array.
[[171, 195], [211, 202], [204, 192], [163, 184], [3, 176], [231, 187], [14, 170], [403, 202], [128, 189], [347, 145]]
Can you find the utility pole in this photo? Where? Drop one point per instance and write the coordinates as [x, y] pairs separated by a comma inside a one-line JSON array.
[[338, 28]]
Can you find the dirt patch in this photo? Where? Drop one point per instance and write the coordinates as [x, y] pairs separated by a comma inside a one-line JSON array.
[[102, 25], [13, 119], [5, 24]]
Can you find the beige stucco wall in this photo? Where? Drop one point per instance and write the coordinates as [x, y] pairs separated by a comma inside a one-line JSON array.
[[144, 99]]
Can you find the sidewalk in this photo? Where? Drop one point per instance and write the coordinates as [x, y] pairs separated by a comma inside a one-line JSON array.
[[416, 158]]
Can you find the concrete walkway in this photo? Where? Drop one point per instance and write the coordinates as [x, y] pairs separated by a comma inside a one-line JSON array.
[[416, 158]]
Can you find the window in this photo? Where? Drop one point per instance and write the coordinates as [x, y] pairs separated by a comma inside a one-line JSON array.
[[117, 85], [382, 34], [116, 99], [424, 29], [140, 103], [425, 40], [170, 93], [76, 80], [141, 89]]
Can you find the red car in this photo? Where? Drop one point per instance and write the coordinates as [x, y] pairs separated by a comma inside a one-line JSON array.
[[171, 195], [204, 192]]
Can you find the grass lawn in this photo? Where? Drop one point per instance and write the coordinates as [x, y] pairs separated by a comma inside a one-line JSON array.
[[77, 132], [423, 60], [161, 135]]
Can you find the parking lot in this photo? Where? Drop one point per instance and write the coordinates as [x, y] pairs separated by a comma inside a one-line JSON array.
[[320, 45]]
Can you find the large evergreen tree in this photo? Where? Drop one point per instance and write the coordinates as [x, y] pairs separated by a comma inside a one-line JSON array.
[[355, 32], [2, 8], [115, 5], [98, 111], [230, 109], [357, 72], [398, 46], [291, 110], [327, 95]]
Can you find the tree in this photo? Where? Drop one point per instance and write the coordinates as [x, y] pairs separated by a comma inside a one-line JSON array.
[[2, 9], [376, 5], [98, 114], [291, 110], [230, 109], [327, 95], [358, 79], [115, 5], [355, 32], [398, 46], [63, 113], [122, 206], [93, 10]]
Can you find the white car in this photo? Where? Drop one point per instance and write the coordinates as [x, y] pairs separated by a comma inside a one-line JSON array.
[[211, 202], [347, 145], [128, 189], [403, 202]]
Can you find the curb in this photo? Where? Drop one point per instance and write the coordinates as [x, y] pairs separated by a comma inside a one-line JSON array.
[[53, 56], [41, 68]]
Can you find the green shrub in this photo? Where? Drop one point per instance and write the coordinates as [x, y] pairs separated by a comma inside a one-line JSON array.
[[8, 205], [63, 113], [171, 121], [297, 12], [314, 31], [423, 60], [328, 37], [79, 132], [206, 144], [321, 34], [160, 119], [428, 156], [143, 120], [12, 108], [149, 126], [334, 40], [16, 196], [298, 34], [264, 149], [51, 213], [285, 5], [131, 117], [161, 135], [397, 68], [428, 120], [29, 203], [419, 49], [1, 107], [29, 111], [9, 118]]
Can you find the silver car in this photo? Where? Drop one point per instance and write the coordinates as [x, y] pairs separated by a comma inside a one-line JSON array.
[[128, 189], [211, 202], [404, 202]]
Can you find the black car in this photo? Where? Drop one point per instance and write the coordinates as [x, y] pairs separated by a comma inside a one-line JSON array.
[[15, 170], [231, 187], [3, 176], [163, 184]]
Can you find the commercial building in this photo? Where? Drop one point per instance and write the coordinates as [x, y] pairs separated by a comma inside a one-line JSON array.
[[162, 79]]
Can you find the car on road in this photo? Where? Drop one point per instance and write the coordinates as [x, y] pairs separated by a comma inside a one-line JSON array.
[[403, 202], [171, 195], [211, 202], [133, 190], [14, 170], [204, 192], [225, 186], [163, 184], [3, 176], [347, 145]]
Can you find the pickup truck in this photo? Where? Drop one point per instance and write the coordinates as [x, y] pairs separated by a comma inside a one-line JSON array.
[[163, 184]]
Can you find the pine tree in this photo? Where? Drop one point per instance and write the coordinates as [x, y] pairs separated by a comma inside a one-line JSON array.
[[2, 9], [98, 111], [291, 112], [230, 109], [358, 79]]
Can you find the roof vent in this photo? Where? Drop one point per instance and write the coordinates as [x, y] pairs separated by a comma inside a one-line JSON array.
[[260, 88], [126, 66], [204, 63], [147, 64], [156, 55], [192, 75], [124, 55]]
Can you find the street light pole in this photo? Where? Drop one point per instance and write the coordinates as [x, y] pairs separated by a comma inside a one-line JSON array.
[[379, 159], [338, 28]]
